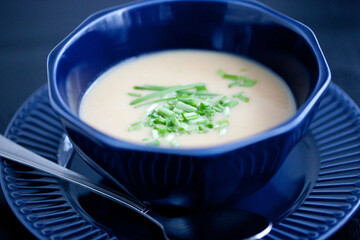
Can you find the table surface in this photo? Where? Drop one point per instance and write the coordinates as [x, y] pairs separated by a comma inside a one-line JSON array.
[[29, 29]]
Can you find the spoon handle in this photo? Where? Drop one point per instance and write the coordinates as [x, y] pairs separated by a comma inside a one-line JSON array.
[[12, 151]]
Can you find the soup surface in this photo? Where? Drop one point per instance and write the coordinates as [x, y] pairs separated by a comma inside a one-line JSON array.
[[254, 99]]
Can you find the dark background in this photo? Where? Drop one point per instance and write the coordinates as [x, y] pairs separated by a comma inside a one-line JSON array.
[[29, 29]]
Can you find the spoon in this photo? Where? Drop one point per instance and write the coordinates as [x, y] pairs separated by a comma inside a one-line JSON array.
[[214, 224]]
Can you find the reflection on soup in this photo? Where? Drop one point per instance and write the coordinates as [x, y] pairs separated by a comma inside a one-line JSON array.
[[186, 98]]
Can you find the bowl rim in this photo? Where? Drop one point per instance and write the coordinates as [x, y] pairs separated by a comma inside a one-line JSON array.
[[59, 105]]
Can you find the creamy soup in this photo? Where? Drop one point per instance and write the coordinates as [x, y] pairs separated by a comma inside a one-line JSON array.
[[230, 98]]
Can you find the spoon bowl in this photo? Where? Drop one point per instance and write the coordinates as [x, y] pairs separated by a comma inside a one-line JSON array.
[[212, 224]]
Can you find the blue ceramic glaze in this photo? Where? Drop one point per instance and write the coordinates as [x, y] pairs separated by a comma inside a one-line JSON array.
[[199, 177]]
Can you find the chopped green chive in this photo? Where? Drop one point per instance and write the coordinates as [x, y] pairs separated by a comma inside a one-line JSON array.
[[134, 94], [154, 114], [155, 143], [189, 100], [220, 107], [150, 88], [217, 109], [204, 105], [241, 97], [224, 100], [175, 121], [177, 110], [209, 125], [165, 112], [230, 77], [234, 83], [151, 109], [199, 120], [222, 124], [135, 126], [155, 134], [201, 88], [220, 72], [226, 111], [182, 126], [162, 130], [241, 81], [232, 103], [165, 91], [185, 107], [191, 116], [160, 120]]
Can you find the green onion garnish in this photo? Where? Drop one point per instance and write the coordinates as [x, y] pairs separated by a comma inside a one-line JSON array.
[[232, 103], [241, 97], [160, 120], [134, 94], [150, 88], [224, 100], [177, 110], [135, 126], [223, 123], [226, 111], [165, 112], [185, 107], [241, 81], [151, 109], [165, 91], [191, 116], [156, 143], [224, 75]]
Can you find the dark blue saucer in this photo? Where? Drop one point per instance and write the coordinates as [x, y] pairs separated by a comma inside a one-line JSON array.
[[313, 194]]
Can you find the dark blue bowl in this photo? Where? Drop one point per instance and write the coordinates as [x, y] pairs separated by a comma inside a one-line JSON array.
[[200, 177]]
